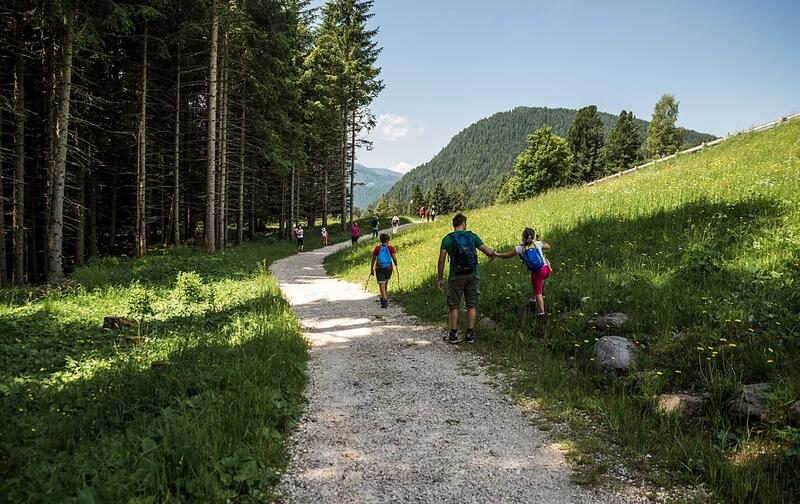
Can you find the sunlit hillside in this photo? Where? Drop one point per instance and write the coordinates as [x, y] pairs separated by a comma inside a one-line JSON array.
[[703, 253]]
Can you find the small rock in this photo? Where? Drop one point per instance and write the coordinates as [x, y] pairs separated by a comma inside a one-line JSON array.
[[614, 352], [794, 414], [118, 323], [161, 364], [525, 309], [609, 321], [749, 401], [134, 340], [487, 323], [685, 404]]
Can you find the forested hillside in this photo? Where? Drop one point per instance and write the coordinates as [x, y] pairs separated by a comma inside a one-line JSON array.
[[482, 155], [371, 183]]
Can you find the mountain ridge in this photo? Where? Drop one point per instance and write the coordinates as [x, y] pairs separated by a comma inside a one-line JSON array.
[[371, 183], [482, 154]]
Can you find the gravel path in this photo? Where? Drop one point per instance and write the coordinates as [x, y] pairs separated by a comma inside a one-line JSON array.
[[396, 415]]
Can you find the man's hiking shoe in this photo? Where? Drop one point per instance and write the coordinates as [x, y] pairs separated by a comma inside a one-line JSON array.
[[470, 337], [542, 318], [452, 338], [384, 303]]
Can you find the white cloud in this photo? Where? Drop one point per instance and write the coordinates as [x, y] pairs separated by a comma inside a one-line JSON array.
[[392, 127], [402, 167]]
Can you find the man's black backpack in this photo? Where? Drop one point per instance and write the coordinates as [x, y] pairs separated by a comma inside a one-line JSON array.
[[465, 259]]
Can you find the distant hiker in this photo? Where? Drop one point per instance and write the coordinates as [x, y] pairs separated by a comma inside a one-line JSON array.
[[531, 251], [298, 233], [381, 266], [324, 237], [395, 224], [464, 278], [422, 213], [433, 214], [428, 215], [355, 233], [375, 225]]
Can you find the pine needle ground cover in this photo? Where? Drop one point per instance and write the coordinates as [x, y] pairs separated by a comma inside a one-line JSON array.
[[703, 254], [197, 412]]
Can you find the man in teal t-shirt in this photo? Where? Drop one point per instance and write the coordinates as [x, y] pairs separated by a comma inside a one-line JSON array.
[[464, 278]]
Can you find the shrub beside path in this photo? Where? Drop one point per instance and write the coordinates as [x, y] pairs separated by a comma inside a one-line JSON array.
[[396, 415]]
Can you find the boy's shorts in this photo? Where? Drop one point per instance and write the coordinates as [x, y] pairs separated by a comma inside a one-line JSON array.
[[537, 279], [383, 275], [300, 242], [466, 285]]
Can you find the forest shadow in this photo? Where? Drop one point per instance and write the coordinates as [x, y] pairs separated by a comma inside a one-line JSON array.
[[259, 379]]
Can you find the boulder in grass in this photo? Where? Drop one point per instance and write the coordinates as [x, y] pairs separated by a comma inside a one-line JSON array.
[[609, 321], [794, 414], [614, 353], [749, 401], [487, 323], [161, 364], [134, 340], [526, 309], [684, 404], [113, 323]]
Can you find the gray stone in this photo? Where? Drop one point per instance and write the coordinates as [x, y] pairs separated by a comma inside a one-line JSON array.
[[609, 321], [487, 323], [526, 309], [749, 401], [683, 403], [614, 352], [794, 414]]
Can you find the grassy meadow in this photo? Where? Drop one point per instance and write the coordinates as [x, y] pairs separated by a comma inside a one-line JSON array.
[[703, 253], [87, 417]]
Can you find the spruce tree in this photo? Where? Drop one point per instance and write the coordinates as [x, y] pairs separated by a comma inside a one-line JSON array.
[[621, 148], [416, 200], [585, 139]]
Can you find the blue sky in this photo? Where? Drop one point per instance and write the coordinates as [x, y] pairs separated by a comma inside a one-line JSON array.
[[448, 63]]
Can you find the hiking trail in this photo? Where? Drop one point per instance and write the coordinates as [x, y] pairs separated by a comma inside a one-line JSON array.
[[395, 414]]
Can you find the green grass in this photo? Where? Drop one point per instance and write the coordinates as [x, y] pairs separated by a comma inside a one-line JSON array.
[[703, 253], [85, 417]]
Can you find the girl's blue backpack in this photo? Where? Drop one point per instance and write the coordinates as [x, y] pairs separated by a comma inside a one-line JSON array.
[[532, 257], [384, 257]]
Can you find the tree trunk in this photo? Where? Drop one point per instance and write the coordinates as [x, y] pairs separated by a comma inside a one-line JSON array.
[[210, 227], [253, 210], [352, 165], [80, 215], [141, 172], [344, 170], [222, 233], [283, 209], [240, 213], [56, 226], [18, 217], [113, 226], [176, 167], [91, 210], [325, 198], [2, 211]]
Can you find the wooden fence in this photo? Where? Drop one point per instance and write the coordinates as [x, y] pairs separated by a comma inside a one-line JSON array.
[[698, 148]]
